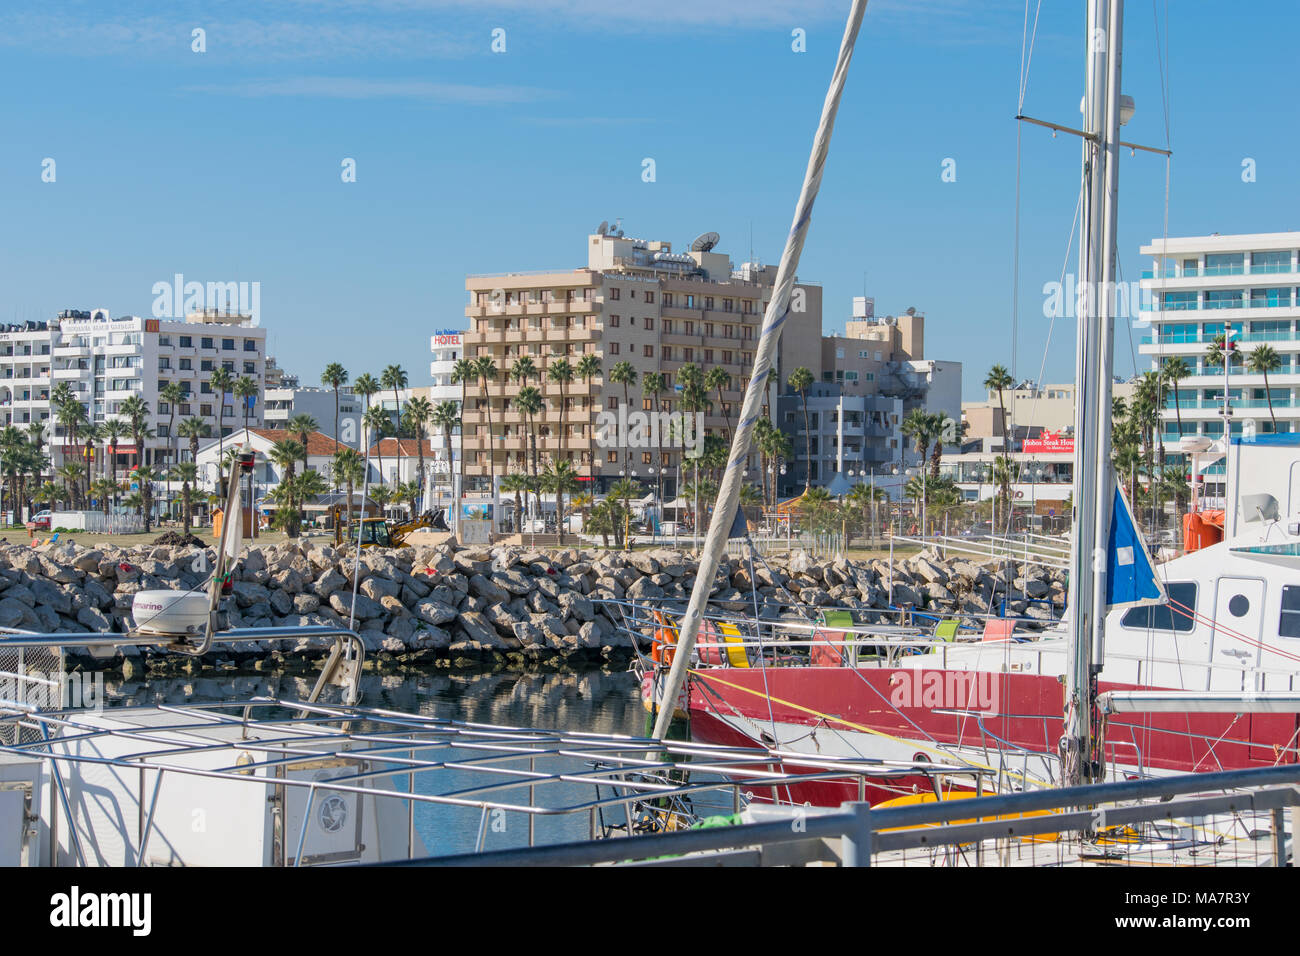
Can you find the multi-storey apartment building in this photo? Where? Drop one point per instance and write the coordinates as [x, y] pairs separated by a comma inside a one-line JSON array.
[[287, 401], [1200, 286], [107, 360], [638, 302], [24, 373]]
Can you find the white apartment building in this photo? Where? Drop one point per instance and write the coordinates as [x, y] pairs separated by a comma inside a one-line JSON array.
[[107, 360], [1198, 286], [24, 373], [287, 401]]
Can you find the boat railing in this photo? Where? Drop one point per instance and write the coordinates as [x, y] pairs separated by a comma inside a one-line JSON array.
[[1235, 818], [503, 780], [19, 649]]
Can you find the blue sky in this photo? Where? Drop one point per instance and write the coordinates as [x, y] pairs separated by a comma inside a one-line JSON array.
[[225, 165]]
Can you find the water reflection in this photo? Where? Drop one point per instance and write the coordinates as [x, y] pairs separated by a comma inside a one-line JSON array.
[[591, 701]]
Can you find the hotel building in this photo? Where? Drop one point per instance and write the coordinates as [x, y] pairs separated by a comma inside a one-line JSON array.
[[635, 301], [107, 360], [1199, 286]]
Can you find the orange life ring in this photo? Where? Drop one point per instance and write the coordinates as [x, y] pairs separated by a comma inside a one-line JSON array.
[[664, 639]]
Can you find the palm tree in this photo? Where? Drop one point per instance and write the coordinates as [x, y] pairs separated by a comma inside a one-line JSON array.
[[114, 429], [194, 428], [486, 368], [922, 427], [173, 394], [377, 423], [447, 417], [1173, 370], [146, 476], [652, 386], [418, 414], [625, 374], [522, 369], [1004, 473], [462, 373], [718, 379], [394, 377], [624, 490], [1262, 360], [221, 381], [516, 483], [104, 489], [560, 479], [349, 468], [529, 403], [381, 495], [187, 473], [763, 429], [780, 449], [244, 389], [410, 492], [800, 381], [335, 376], [365, 386], [286, 453], [302, 425], [588, 367], [560, 371], [998, 380]]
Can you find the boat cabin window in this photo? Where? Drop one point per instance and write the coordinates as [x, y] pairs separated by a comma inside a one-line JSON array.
[[1288, 624], [1170, 617]]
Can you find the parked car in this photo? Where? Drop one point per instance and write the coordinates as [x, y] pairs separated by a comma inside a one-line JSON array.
[[41, 520]]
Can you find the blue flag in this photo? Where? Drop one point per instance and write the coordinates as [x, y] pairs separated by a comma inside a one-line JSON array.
[[1130, 573]]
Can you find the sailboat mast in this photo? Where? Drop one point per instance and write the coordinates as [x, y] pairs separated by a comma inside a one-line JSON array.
[[1093, 484], [764, 361]]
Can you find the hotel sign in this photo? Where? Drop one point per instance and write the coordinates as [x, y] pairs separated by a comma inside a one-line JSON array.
[[446, 338]]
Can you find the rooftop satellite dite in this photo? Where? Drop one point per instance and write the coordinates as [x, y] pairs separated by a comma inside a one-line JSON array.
[[705, 241]]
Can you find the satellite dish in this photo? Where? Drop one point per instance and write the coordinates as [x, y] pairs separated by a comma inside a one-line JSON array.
[[705, 242], [603, 228], [911, 310]]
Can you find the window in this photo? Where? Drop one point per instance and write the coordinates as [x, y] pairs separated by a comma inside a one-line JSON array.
[[1289, 623], [613, 321], [208, 343], [250, 368], [187, 365], [207, 365], [613, 348], [650, 297], [1223, 299], [164, 340], [649, 322], [708, 302], [186, 342], [611, 456], [667, 353], [649, 351], [646, 458], [228, 345], [614, 293], [250, 345], [1167, 617]]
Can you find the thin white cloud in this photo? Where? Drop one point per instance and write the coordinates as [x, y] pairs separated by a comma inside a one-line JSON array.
[[357, 88], [157, 37]]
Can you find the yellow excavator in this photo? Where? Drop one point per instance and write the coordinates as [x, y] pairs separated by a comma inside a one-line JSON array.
[[378, 533]]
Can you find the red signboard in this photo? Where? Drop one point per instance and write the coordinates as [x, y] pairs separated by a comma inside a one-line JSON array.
[[1049, 445]]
